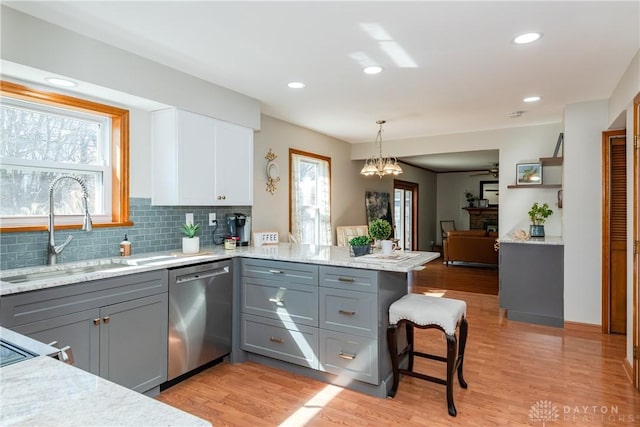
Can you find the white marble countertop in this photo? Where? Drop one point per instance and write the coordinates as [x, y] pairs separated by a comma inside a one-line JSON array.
[[547, 240], [46, 392], [401, 261]]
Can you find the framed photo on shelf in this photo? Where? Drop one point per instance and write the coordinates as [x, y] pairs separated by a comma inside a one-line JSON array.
[[528, 174]]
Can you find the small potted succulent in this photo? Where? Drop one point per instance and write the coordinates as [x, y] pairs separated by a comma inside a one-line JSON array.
[[360, 245], [190, 243], [538, 214], [470, 198], [379, 229]]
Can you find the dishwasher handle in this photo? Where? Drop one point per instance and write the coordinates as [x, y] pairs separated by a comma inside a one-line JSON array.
[[203, 275]]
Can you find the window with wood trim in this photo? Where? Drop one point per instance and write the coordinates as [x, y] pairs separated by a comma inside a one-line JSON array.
[[310, 197], [44, 135]]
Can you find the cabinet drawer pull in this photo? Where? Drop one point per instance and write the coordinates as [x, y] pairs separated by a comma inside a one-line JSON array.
[[278, 340], [276, 271], [347, 313], [106, 319], [96, 321], [277, 301], [346, 356], [346, 279]]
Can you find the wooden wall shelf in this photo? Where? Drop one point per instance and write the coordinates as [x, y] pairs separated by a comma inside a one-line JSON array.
[[536, 186], [551, 161]]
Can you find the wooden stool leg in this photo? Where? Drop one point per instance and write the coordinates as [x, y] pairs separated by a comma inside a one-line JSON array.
[[463, 343], [392, 343], [410, 348], [451, 364]]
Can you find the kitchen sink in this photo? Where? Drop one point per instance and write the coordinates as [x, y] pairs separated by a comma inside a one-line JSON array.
[[51, 274]]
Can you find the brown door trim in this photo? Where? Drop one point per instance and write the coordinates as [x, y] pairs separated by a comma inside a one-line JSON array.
[[636, 234]]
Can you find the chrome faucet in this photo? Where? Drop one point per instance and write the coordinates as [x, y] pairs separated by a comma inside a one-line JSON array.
[[52, 249]]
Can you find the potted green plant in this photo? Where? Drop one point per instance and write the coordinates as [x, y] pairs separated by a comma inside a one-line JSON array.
[[538, 214], [379, 229], [190, 243], [360, 245], [470, 198]]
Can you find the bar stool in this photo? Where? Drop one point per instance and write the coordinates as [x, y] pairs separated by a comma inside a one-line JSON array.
[[424, 312]]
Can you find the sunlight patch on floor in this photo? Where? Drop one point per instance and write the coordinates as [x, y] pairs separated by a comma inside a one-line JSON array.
[[439, 293], [305, 413]]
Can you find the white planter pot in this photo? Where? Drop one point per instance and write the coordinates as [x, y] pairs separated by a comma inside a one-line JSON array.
[[190, 245]]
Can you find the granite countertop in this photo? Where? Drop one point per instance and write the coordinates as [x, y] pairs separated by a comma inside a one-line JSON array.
[[400, 261], [547, 240], [46, 392]]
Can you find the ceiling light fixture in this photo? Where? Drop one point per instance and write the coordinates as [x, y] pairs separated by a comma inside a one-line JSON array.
[[531, 99], [380, 165], [374, 69], [527, 38], [61, 82], [296, 85]]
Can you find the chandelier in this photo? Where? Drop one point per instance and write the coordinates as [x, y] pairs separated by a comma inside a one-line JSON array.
[[381, 166]]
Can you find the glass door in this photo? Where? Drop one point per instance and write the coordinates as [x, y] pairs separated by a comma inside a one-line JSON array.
[[405, 205]]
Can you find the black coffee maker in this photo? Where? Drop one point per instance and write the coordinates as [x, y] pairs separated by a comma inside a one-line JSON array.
[[236, 225]]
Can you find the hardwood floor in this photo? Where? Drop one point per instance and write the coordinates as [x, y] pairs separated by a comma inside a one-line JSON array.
[[518, 374], [476, 278]]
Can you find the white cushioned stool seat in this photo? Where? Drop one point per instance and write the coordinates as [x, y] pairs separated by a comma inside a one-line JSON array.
[[416, 311], [427, 310]]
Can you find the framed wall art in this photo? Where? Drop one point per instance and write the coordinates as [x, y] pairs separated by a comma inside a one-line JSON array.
[[528, 174]]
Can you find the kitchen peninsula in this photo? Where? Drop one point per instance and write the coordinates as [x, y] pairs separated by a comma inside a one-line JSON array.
[[339, 333]]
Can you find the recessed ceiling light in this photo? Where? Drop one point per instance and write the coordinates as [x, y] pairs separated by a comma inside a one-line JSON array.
[[60, 82], [527, 38], [296, 85], [531, 99], [374, 69]]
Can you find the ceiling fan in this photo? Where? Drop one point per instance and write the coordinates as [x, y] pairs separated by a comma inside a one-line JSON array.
[[494, 171]]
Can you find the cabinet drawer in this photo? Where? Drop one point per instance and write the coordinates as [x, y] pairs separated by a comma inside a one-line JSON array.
[[349, 278], [349, 311], [349, 356], [281, 340], [282, 271], [281, 301], [45, 304]]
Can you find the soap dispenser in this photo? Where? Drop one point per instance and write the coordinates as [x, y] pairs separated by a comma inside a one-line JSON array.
[[125, 247]]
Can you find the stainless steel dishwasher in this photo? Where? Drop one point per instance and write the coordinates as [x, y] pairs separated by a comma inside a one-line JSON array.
[[200, 301]]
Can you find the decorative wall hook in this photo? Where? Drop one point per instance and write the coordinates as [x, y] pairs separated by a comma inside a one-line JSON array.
[[273, 172]]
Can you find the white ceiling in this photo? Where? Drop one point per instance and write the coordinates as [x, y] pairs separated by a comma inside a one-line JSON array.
[[459, 72]]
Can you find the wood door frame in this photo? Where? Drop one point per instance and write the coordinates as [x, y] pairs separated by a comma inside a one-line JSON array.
[[636, 236], [413, 187], [606, 235]]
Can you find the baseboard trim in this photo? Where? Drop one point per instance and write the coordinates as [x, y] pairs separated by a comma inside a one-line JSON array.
[[586, 327]]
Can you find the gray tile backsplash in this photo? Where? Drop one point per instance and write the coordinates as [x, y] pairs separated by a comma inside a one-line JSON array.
[[156, 228]]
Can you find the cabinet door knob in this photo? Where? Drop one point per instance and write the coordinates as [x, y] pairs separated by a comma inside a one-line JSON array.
[[276, 271], [278, 340], [106, 319], [346, 279], [347, 313], [96, 321], [346, 356], [277, 300]]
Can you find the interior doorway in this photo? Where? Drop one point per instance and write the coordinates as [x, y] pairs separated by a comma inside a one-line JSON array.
[[405, 214], [614, 268]]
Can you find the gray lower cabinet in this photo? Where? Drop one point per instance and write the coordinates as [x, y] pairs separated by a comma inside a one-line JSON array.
[[330, 319], [532, 282], [116, 327]]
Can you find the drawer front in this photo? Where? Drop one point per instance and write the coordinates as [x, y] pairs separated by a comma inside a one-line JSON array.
[[282, 271], [289, 302], [349, 311], [349, 278], [280, 340], [349, 356], [34, 306]]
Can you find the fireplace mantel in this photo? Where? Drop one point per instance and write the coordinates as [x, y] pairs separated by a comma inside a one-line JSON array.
[[481, 218]]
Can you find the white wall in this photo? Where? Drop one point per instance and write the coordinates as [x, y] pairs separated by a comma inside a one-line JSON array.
[[584, 123]]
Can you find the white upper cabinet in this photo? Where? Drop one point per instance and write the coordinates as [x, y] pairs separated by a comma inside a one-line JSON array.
[[200, 161]]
